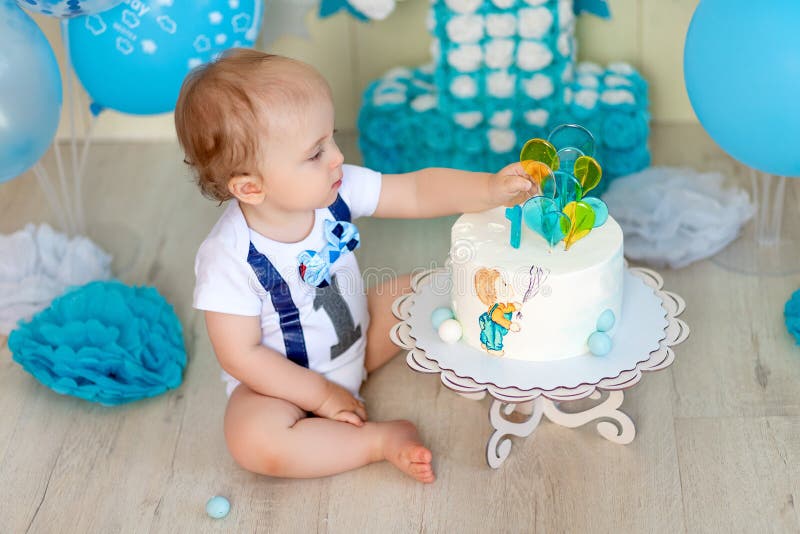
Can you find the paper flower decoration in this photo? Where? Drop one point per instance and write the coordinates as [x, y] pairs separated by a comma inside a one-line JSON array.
[[104, 342], [564, 168], [791, 313], [673, 217]]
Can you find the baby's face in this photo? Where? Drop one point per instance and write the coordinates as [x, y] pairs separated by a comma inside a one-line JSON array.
[[302, 164]]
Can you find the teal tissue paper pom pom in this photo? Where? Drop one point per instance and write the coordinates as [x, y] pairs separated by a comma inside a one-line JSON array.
[[104, 342], [791, 313]]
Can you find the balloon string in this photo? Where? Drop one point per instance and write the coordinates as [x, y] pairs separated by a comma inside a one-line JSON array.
[[50, 193], [79, 176], [80, 223], [67, 211]]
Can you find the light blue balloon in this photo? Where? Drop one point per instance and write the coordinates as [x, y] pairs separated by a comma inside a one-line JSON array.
[[134, 57], [543, 216], [568, 187], [606, 321], [600, 343], [30, 92], [741, 67], [440, 315], [218, 507], [67, 8]]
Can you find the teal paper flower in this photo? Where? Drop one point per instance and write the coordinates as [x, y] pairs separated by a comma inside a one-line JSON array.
[[104, 342], [791, 313]]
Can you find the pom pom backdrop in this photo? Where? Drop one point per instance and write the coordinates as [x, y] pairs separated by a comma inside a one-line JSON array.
[[134, 57], [741, 69], [68, 8], [104, 342], [30, 92], [791, 313], [500, 76]]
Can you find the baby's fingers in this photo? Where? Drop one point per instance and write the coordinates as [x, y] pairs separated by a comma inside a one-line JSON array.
[[361, 411], [349, 417]]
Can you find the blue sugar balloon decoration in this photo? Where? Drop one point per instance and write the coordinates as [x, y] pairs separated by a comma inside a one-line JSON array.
[[606, 321], [573, 135], [218, 507], [599, 343], [791, 314], [440, 315], [568, 187], [104, 342], [600, 210]]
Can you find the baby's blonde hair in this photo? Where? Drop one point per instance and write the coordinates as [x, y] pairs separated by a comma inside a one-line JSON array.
[[223, 113], [485, 285]]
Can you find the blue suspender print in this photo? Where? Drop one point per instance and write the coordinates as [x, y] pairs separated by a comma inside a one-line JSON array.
[[272, 282]]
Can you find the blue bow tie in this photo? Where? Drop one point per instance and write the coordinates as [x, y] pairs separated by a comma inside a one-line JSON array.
[[342, 237]]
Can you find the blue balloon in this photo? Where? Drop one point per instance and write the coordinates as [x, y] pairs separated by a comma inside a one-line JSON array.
[[741, 66], [134, 57], [68, 8], [30, 92]]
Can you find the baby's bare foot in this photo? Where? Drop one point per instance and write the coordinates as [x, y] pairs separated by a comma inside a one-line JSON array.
[[403, 448]]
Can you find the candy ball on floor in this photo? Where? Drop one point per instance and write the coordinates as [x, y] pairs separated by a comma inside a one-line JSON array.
[[440, 315], [218, 507], [450, 331]]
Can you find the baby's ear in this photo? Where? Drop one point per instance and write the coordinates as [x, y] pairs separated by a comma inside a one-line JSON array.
[[247, 188]]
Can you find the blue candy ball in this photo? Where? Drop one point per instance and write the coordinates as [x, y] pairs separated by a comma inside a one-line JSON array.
[[599, 344], [606, 321], [218, 507], [440, 315]]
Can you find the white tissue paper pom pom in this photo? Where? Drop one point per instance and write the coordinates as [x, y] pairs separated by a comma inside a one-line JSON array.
[[37, 264], [503, 4], [622, 68], [501, 25], [534, 23], [463, 87], [617, 81], [532, 55], [424, 103], [565, 44], [538, 86], [428, 68], [430, 21], [568, 94], [382, 99], [435, 49], [501, 84], [398, 73], [617, 96], [586, 98], [588, 82], [537, 117], [374, 9], [499, 53], [501, 140], [566, 14], [465, 58], [501, 119], [568, 75], [468, 119], [463, 7], [673, 217], [465, 29], [587, 67]]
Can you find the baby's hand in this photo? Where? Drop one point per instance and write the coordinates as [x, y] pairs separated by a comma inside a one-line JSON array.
[[341, 405], [511, 186], [514, 327]]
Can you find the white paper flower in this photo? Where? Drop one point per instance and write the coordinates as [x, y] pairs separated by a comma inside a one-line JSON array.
[[534, 23], [539, 86], [37, 264], [532, 55]]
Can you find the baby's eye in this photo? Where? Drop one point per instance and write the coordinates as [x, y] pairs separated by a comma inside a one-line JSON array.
[[317, 155]]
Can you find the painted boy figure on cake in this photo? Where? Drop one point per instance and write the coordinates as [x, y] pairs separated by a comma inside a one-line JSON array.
[[497, 295], [288, 316]]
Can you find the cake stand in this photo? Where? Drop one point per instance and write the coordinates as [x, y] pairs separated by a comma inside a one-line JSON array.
[[644, 336]]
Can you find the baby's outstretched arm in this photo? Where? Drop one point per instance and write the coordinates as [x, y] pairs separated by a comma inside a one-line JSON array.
[[237, 344], [437, 192]]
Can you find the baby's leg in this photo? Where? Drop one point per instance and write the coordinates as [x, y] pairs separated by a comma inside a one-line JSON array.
[[274, 437], [380, 348]]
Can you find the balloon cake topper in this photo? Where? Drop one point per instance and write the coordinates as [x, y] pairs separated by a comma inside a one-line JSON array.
[[565, 170]]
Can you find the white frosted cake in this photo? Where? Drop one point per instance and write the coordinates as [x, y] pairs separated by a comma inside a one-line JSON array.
[[533, 302]]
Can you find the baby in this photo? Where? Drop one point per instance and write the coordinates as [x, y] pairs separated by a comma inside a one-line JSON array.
[[285, 307]]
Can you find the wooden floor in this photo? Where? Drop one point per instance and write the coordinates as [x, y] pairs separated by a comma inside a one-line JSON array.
[[717, 449]]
